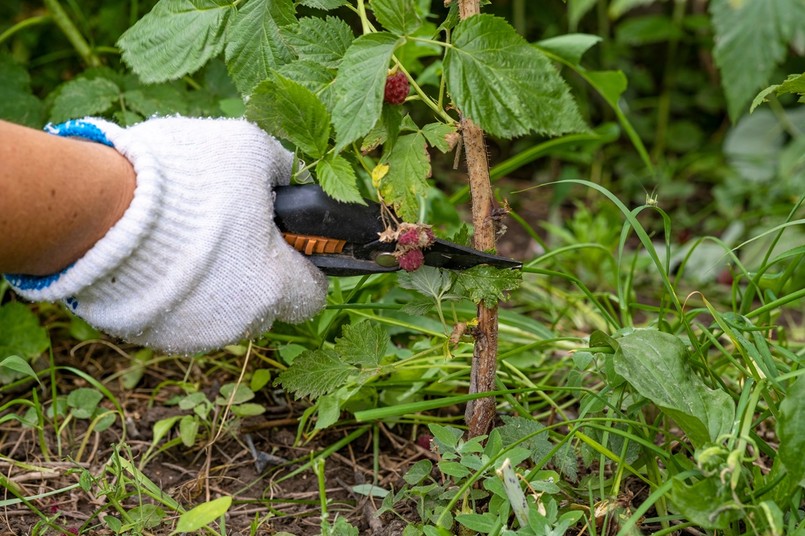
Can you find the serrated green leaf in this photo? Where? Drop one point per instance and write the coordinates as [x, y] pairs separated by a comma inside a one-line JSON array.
[[322, 41], [82, 97], [487, 284], [359, 86], [176, 38], [326, 5], [254, 44], [791, 430], [395, 16], [162, 99], [440, 136], [316, 373], [337, 178], [203, 514], [654, 363], [290, 111], [508, 87], [516, 428], [20, 332], [17, 102], [405, 186], [569, 47], [428, 281], [364, 344], [751, 39]]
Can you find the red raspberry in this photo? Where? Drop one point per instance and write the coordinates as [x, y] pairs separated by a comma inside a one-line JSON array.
[[411, 260], [409, 237], [426, 238], [397, 88]]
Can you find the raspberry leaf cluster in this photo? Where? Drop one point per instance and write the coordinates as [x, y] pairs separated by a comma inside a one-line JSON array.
[[312, 82]]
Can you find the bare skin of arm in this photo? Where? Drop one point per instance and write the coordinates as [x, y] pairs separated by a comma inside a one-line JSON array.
[[58, 196]]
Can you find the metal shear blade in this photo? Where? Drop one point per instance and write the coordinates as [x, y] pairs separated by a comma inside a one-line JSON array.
[[342, 238]]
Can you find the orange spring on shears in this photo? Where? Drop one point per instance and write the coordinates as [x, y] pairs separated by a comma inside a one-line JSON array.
[[314, 244]]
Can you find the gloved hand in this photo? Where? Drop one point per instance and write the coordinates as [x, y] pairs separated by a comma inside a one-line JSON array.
[[196, 262]]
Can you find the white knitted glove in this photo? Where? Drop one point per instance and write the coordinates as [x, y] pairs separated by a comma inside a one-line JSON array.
[[196, 262]]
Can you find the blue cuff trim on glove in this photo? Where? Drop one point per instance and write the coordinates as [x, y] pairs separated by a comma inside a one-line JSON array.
[[75, 128]]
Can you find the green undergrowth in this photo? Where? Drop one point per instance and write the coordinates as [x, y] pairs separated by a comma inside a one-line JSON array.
[[649, 352]]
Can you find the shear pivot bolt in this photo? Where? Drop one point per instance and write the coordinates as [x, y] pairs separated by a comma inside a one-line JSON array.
[[386, 260]]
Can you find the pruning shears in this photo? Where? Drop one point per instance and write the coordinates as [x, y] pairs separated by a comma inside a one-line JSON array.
[[344, 238]]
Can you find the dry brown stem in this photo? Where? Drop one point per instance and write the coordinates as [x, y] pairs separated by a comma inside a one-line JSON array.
[[480, 413]]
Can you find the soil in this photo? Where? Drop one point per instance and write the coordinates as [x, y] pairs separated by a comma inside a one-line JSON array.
[[267, 498]]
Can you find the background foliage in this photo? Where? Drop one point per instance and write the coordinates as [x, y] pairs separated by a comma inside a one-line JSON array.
[[650, 360]]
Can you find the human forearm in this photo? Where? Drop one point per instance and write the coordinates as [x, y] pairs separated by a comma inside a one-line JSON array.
[[58, 196]]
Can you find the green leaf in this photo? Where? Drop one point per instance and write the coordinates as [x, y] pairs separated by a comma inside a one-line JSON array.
[[188, 430], [397, 17], [508, 87], [516, 428], [18, 366], [322, 41], [751, 39], [146, 516], [454, 469], [570, 47], [82, 97], [364, 344], [359, 86], [290, 111], [326, 5], [418, 472], [646, 30], [236, 392], [176, 38], [249, 409], [203, 514], [654, 363], [162, 427], [83, 402], [428, 281], [260, 379], [254, 45], [20, 332], [17, 102], [791, 430], [337, 178], [486, 523], [405, 186], [487, 284], [619, 7], [706, 503], [610, 84], [795, 84], [316, 373], [440, 136], [446, 437]]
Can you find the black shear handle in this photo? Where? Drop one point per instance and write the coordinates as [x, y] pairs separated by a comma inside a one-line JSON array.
[[305, 209]]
